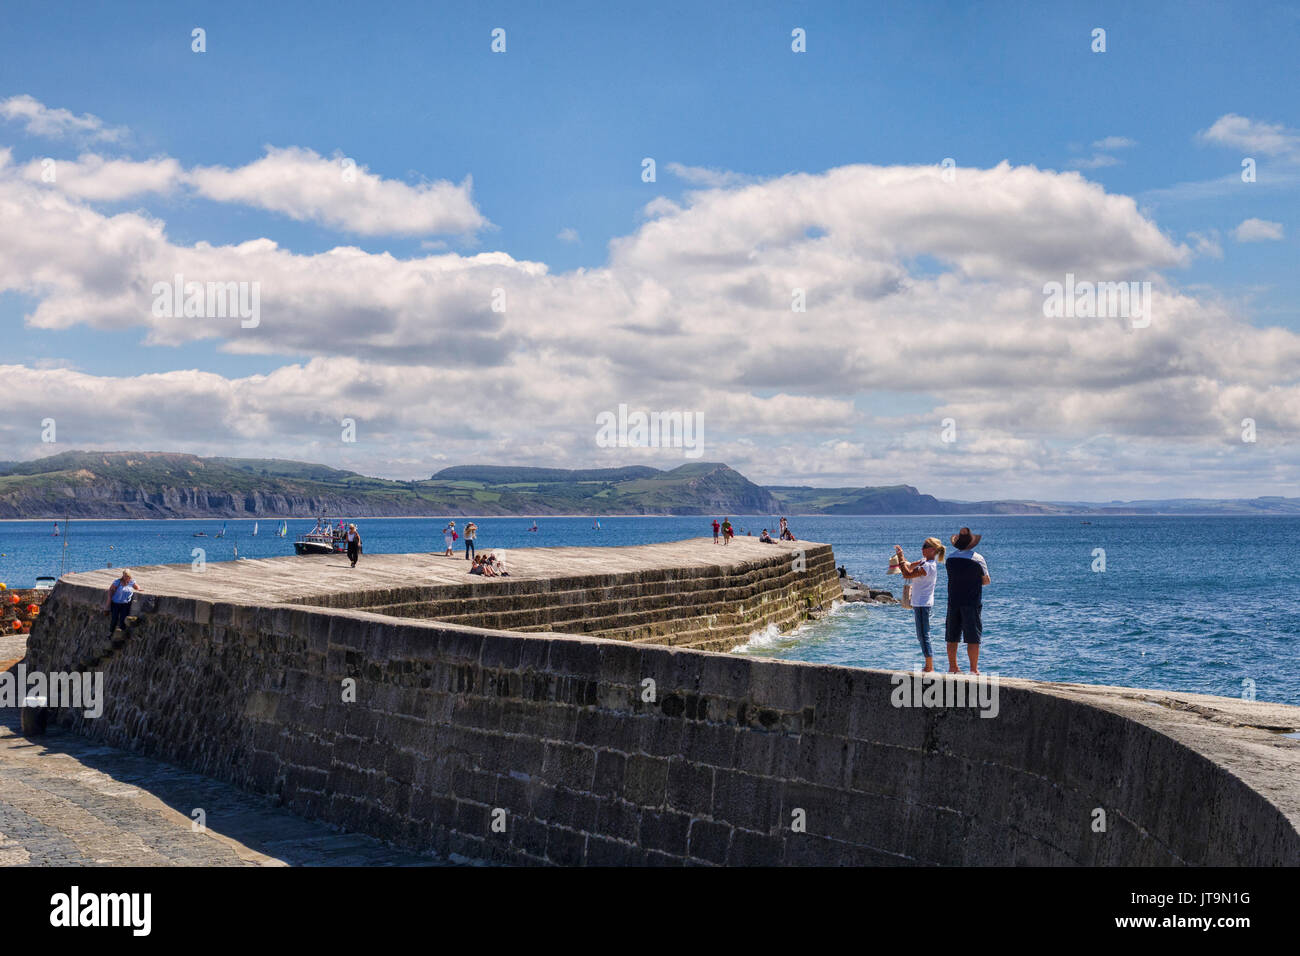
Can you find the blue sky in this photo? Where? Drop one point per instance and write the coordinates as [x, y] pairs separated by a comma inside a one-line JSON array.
[[553, 131]]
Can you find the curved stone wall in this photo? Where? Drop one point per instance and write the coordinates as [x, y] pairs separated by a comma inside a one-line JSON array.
[[705, 606], [534, 748]]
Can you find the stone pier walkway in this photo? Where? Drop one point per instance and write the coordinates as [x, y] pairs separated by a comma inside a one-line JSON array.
[[293, 578], [68, 801]]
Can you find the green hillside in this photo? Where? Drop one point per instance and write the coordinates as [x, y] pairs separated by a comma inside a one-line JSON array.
[[82, 484], [167, 485]]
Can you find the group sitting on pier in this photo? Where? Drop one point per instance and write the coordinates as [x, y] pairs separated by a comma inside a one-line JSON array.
[[490, 566]]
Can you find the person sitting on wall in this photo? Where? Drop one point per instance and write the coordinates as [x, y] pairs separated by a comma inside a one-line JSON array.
[[477, 566], [499, 567], [766, 538]]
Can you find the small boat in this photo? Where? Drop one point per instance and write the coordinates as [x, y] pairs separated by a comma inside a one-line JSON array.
[[200, 534], [323, 539], [45, 583], [222, 532], [283, 531], [534, 527], [254, 529]]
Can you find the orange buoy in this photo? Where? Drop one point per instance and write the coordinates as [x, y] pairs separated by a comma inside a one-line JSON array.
[[18, 625], [15, 599], [33, 609]]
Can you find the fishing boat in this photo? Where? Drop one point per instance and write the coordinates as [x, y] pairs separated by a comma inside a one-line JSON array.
[[323, 539]]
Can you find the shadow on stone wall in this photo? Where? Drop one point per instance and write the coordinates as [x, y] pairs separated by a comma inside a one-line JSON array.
[[568, 750]]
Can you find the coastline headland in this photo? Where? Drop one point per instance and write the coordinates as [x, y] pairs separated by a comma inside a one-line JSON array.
[[578, 712]]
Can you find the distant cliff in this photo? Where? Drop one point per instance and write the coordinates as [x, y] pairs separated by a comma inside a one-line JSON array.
[[166, 485]]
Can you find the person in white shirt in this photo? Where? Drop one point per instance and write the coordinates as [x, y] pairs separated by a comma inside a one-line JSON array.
[[922, 575]]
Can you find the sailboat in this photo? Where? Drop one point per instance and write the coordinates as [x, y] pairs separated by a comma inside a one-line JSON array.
[[254, 529], [222, 532], [56, 529], [284, 530], [595, 526]]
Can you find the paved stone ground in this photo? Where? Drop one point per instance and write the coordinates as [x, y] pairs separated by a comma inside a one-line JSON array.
[[67, 801], [289, 579]]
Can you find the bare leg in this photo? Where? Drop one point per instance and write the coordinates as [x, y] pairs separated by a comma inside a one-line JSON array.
[[973, 652], [929, 665], [952, 659]]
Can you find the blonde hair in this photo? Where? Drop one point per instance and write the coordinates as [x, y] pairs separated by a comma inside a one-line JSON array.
[[938, 547]]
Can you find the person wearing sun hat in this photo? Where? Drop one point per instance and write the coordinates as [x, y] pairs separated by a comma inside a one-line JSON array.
[[968, 573]]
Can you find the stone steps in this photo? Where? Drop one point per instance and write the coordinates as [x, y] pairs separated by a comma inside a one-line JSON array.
[[688, 607], [594, 603]]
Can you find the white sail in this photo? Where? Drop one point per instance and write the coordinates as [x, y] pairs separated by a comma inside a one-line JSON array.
[[254, 529]]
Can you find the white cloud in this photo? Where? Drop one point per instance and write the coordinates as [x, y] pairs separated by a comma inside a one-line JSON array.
[[568, 234], [709, 177], [40, 120], [1113, 143], [296, 182], [1258, 230], [1097, 161], [1253, 136], [692, 311], [98, 179], [307, 187], [1206, 244]]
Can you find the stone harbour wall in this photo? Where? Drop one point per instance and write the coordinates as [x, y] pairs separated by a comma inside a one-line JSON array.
[[706, 607], [534, 748]]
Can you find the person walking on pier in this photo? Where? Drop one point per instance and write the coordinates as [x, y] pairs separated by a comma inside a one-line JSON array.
[[922, 575], [448, 538], [968, 573], [727, 531], [353, 539], [471, 530], [716, 528], [120, 594]]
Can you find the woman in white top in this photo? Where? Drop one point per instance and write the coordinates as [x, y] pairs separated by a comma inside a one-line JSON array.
[[449, 537], [922, 575]]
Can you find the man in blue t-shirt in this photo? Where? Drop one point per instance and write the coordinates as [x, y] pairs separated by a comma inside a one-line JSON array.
[[967, 575]]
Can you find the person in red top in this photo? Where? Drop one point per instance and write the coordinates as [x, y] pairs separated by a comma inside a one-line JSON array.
[[716, 527]]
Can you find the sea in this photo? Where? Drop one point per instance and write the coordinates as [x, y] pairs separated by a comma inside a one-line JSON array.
[[1202, 604]]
